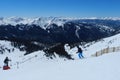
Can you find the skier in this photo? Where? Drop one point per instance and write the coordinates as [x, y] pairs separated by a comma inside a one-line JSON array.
[[6, 61], [80, 54]]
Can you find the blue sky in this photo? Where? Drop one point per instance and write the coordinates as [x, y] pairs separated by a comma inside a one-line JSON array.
[[65, 8]]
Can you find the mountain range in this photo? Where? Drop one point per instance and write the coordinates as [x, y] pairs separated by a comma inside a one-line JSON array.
[[52, 33]]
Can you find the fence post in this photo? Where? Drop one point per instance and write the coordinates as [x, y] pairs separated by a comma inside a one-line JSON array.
[[101, 52], [96, 54], [107, 49], [17, 65], [113, 49]]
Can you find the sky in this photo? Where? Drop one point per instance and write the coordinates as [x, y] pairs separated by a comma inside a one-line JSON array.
[[60, 8]]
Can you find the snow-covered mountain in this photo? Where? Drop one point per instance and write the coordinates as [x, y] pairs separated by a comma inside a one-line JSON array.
[[44, 32], [59, 25], [44, 22]]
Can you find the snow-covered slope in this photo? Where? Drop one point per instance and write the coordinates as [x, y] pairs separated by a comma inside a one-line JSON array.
[[101, 68], [36, 67], [113, 41], [17, 57], [6, 49], [93, 47]]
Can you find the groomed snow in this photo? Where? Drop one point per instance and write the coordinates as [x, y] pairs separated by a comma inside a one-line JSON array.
[[105, 67]]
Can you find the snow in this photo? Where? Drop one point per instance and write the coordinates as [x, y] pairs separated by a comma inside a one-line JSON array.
[[13, 54], [36, 66], [76, 32], [43, 22], [105, 28], [105, 67], [113, 41]]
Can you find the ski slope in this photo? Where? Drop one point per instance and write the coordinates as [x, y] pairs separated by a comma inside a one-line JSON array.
[[36, 66], [105, 67]]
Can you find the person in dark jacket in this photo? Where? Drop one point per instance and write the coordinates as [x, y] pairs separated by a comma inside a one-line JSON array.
[[6, 61], [80, 52]]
